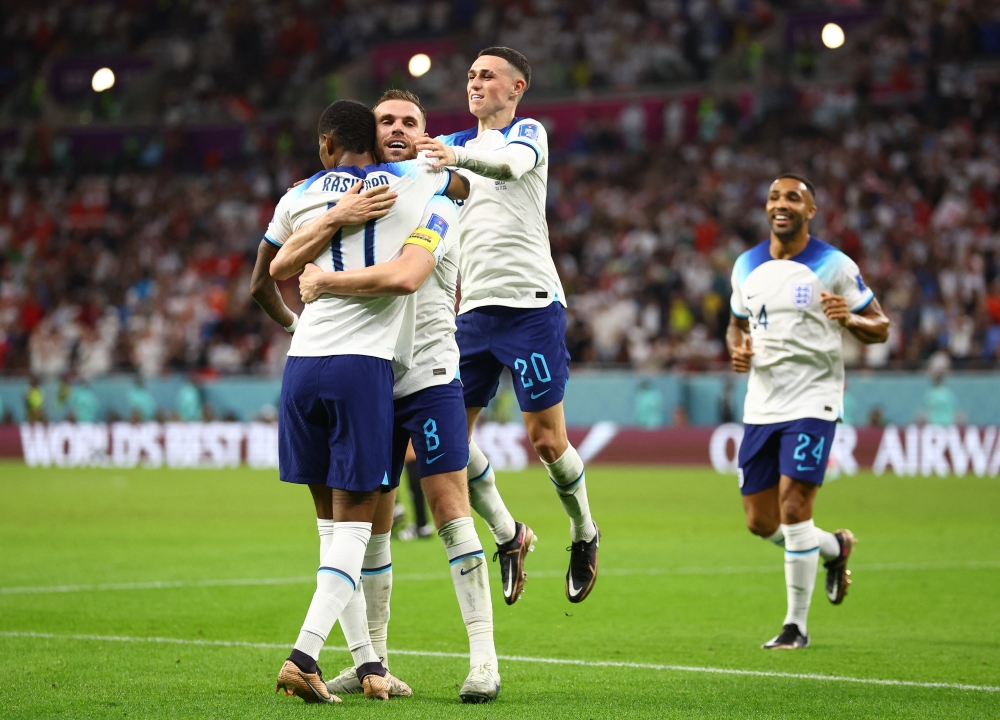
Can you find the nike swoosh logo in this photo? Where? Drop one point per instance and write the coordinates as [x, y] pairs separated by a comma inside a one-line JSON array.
[[535, 397], [466, 572], [573, 590], [438, 457], [804, 469], [510, 585]]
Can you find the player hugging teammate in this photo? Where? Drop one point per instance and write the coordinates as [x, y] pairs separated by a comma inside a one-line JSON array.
[[361, 251], [792, 295]]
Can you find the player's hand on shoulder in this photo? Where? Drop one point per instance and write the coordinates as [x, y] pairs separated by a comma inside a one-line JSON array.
[[356, 207], [742, 355], [835, 307], [309, 283], [436, 151], [295, 184]]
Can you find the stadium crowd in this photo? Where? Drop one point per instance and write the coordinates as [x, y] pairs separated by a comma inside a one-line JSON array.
[[142, 264]]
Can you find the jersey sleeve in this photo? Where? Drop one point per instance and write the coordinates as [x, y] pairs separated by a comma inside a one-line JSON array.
[[438, 230], [280, 227], [532, 133], [736, 299], [848, 283]]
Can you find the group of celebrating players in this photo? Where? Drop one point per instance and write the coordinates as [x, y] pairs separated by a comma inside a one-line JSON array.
[[379, 360]]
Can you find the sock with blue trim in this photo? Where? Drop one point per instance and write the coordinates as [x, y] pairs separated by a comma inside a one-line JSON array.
[[485, 498], [829, 547], [325, 528], [376, 572], [336, 580], [354, 623], [568, 476], [472, 586], [801, 561]]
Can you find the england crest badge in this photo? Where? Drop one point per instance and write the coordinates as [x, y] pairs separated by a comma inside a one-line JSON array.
[[802, 295]]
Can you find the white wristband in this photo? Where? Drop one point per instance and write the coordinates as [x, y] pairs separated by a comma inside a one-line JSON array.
[[295, 324]]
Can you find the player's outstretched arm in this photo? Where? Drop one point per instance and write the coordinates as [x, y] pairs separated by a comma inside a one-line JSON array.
[[402, 276], [354, 208], [506, 163], [739, 343], [869, 325], [458, 187], [265, 292]]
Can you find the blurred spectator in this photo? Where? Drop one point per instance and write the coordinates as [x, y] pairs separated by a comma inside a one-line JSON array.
[[141, 404], [940, 401], [34, 402], [84, 406], [876, 418], [648, 412], [189, 402]]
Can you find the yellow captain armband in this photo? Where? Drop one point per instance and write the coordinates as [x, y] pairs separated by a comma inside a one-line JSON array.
[[427, 239]]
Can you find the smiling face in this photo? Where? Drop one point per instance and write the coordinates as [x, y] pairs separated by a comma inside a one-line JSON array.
[[398, 125], [790, 206], [493, 85]]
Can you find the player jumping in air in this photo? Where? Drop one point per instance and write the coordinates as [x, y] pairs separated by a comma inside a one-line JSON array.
[[336, 393], [512, 311], [792, 296], [428, 410]]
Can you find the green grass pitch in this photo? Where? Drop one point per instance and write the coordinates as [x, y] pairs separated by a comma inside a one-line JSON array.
[[683, 584]]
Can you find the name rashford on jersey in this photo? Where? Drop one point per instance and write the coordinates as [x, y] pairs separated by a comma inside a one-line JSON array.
[[337, 389], [356, 325]]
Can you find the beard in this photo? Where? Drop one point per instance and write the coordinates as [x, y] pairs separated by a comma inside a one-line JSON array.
[[788, 234]]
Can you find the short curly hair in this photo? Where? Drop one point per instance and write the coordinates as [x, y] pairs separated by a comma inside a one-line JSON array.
[[351, 124]]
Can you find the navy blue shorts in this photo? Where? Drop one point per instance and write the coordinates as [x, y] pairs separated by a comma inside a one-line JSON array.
[[434, 418], [799, 449], [531, 342], [335, 421]]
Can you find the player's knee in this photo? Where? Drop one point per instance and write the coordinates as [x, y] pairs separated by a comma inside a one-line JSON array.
[[761, 527], [794, 510], [548, 444]]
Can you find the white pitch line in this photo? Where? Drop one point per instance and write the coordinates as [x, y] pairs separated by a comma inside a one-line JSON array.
[[522, 658], [406, 577]]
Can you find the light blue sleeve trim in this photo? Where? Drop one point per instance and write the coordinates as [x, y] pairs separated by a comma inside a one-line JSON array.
[[271, 241], [741, 316], [447, 182], [866, 303], [538, 153]]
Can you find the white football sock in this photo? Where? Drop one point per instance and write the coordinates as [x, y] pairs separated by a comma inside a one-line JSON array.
[[778, 538], [377, 575], [568, 476], [338, 576], [472, 586], [485, 498], [325, 528], [354, 623], [829, 548], [801, 560]]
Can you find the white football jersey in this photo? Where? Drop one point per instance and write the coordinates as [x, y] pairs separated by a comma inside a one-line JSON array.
[[338, 325], [797, 370], [506, 258], [435, 352]]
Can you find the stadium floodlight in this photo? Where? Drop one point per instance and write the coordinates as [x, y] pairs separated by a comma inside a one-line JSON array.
[[419, 65], [104, 79], [833, 35]]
